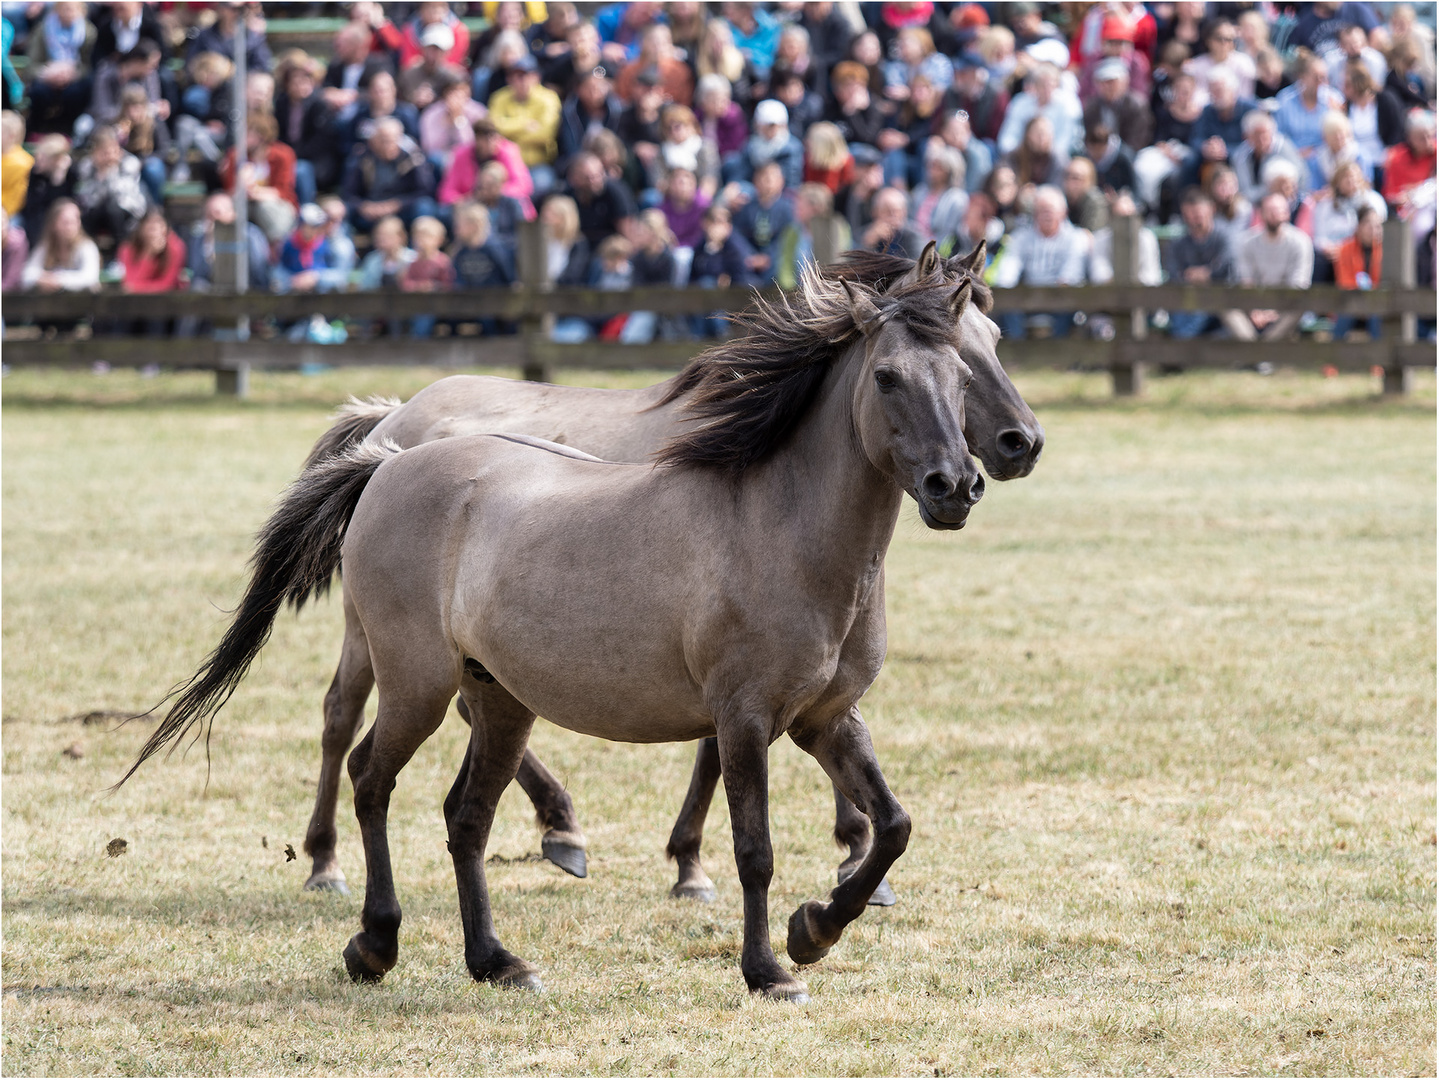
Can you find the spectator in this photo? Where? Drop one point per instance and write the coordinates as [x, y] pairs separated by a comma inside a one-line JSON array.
[[129, 22], [1410, 164], [1352, 47], [419, 83], [1319, 26], [682, 147], [640, 129], [204, 123], [619, 163], [503, 211], [1339, 148], [1358, 263], [1117, 46], [602, 204], [528, 114], [613, 270], [853, 203], [488, 146], [772, 141], [1274, 254], [756, 35], [1035, 161], [722, 121], [1088, 208], [1331, 215], [827, 159], [153, 256], [955, 132], [793, 57], [684, 206], [16, 252], [390, 176], [1117, 107], [1156, 167], [567, 70], [409, 42], [830, 34], [1003, 189], [718, 56], [979, 223], [268, 175], [508, 49], [760, 220], [219, 36], [996, 48], [723, 259], [430, 271], [903, 145], [654, 253], [305, 255], [479, 262], [344, 259], [1263, 143], [937, 205], [1219, 42], [1375, 116], [916, 56], [61, 49], [351, 68], [1269, 74], [1202, 256], [380, 104], [1113, 161], [447, 126], [1281, 177], [1218, 131], [15, 163], [138, 67], [306, 126], [593, 105], [108, 187], [220, 210], [1049, 251], [1042, 96], [1405, 80], [795, 247], [852, 109], [1232, 211], [982, 101], [1301, 109], [805, 107], [889, 232], [657, 56], [567, 252], [142, 133], [66, 259], [388, 259], [1147, 270]]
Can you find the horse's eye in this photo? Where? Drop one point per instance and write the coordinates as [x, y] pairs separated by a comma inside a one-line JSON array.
[[885, 380]]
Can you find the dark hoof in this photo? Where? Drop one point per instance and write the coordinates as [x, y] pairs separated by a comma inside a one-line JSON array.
[[327, 883], [803, 944], [516, 975], [883, 895], [362, 966], [704, 892], [792, 991], [568, 857]]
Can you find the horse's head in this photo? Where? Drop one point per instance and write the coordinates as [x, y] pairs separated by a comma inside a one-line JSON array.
[[1002, 430], [910, 393]]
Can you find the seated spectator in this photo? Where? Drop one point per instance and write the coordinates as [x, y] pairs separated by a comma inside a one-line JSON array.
[[201, 249], [305, 255], [1087, 206], [567, 252], [619, 163], [1375, 116], [1043, 96], [565, 71], [219, 36], [723, 259], [1301, 109], [65, 259], [760, 220], [1117, 47], [793, 57], [853, 203], [937, 205], [479, 262], [1202, 256], [1274, 254], [430, 271], [613, 269], [805, 107], [380, 103], [772, 141], [1282, 177], [1358, 263], [505, 213], [1035, 161], [1117, 107], [409, 41], [982, 100], [682, 147], [528, 114], [419, 82], [488, 146], [204, 122], [592, 105], [488, 79], [1113, 161], [108, 187], [827, 159], [916, 55], [1270, 76], [1405, 79], [447, 126], [268, 174], [1340, 148], [1263, 143], [351, 68], [903, 144], [122, 28], [343, 256], [15, 163], [16, 252], [61, 49], [722, 121], [1047, 251], [756, 35], [603, 204], [1352, 47], [1003, 188], [890, 233], [1331, 215], [1410, 165], [1217, 133], [830, 34], [719, 56], [955, 132], [657, 55], [307, 126], [683, 207], [641, 131], [795, 247], [979, 223], [388, 259], [1219, 42], [390, 176], [852, 109], [153, 256], [138, 67], [142, 133]]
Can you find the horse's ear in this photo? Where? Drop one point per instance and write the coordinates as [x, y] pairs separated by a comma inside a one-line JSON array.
[[866, 315], [960, 300], [926, 264], [973, 263]]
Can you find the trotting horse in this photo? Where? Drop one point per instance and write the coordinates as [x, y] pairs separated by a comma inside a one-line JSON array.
[[632, 425], [722, 591]]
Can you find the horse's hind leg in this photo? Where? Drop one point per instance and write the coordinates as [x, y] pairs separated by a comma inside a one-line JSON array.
[[499, 729], [563, 842], [844, 749], [851, 830], [408, 715], [344, 713], [684, 845]]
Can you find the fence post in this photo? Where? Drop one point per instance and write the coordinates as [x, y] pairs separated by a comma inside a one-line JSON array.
[[1398, 272], [828, 246], [531, 257], [1128, 374], [230, 270]]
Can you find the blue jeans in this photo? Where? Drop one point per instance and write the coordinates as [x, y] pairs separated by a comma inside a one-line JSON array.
[[1345, 323], [1190, 324], [305, 189], [1012, 323], [152, 173]]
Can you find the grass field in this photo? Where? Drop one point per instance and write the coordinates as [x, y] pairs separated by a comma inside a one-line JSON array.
[[1164, 716]]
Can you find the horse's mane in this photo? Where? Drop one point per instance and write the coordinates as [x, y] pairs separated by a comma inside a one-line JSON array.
[[747, 394], [878, 271]]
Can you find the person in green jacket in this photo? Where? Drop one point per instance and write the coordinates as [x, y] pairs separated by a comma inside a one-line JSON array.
[[795, 246]]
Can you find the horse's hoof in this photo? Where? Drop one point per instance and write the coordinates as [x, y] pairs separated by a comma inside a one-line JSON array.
[[703, 891], [360, 968], [331, 882], [568, 857], [883, 895], [792, 991], [802, 944], [517, 975]]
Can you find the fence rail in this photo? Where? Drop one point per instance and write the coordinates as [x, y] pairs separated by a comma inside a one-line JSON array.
[[534, 305]]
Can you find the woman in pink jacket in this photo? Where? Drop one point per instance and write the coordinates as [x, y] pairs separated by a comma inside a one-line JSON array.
[[464, 170]]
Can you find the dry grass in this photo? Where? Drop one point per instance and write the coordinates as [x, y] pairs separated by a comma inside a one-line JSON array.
[[1163, 714]]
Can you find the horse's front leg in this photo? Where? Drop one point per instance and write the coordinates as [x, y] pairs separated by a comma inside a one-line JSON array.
[[844, 749], [851, 830], [684, 845], [744, 757]]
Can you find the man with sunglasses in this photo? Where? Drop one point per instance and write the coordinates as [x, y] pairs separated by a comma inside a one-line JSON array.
[[1222, 52]]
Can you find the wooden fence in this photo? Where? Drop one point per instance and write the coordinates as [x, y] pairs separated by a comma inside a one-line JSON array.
[[534, 305]]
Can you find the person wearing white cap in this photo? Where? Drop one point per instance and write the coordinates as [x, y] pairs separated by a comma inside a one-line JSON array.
[[773, 141], [418, 84]]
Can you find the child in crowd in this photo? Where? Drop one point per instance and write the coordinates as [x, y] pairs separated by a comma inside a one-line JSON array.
[[305, 255], [430, 271], [480, 263], [389, 259], [722, 261]]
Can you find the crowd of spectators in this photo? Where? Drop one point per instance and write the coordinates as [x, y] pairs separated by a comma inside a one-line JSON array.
[[685, 142]]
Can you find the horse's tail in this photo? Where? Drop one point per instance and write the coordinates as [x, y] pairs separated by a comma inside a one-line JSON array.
[[296, 555], [353, 421]]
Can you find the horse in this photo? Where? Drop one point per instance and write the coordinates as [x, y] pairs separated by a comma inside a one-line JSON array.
[[721, 591], [630, 425]]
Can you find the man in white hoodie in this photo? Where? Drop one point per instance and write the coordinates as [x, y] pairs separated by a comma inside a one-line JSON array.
[[1050, 251]]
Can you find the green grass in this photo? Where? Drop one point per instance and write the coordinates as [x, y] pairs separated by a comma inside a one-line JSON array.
[[1164, 716]]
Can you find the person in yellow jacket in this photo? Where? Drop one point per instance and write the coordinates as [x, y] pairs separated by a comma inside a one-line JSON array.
[[528, 114], [15, 163]]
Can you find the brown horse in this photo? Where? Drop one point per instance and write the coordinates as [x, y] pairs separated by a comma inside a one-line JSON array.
[[632, 425], [725, 592]]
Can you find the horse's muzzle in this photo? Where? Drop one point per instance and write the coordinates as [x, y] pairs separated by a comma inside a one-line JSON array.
[[945, 499]]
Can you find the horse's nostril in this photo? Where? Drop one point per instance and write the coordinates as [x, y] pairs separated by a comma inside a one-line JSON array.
[[1014, 443], [976, 489], [937, 485]]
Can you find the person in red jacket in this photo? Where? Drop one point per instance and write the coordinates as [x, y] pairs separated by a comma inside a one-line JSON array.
[[1356, 266], [269, 174], [153, 256], [1410, 163]]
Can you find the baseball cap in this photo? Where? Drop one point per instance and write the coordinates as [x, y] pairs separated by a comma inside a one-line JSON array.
[[771, 111], [1116, 29], [866, 155], [439, 35], [311, 214], [524, 63]]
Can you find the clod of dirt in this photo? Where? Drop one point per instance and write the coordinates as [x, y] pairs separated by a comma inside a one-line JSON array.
[[99, 717], [265, 842], [289, 852], [74, 750], [116, 847]]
